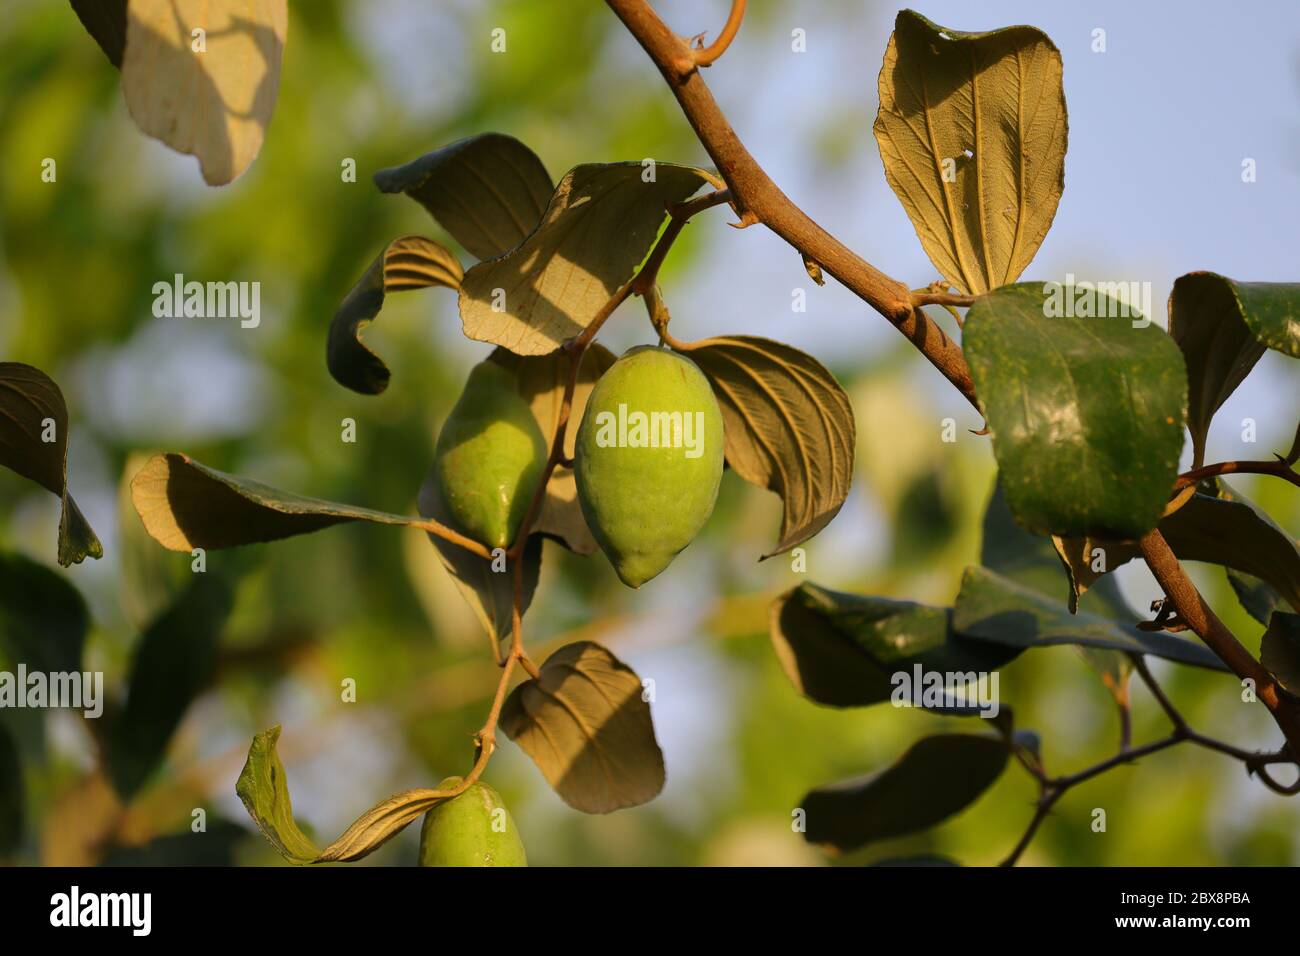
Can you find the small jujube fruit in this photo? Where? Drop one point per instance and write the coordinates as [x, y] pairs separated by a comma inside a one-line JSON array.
[[489, 457], [649, 460], [472, 829]]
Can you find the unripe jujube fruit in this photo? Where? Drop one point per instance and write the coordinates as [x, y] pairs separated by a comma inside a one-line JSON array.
[[489, 457], [648, 460], [472, 829]]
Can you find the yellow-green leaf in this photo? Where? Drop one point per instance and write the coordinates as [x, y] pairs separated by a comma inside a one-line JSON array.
[[214, 103], [972, 130], [264, 790]]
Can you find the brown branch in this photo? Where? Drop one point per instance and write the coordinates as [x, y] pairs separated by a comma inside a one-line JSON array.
[[1198, 615], [1278, 468], [757, 197]]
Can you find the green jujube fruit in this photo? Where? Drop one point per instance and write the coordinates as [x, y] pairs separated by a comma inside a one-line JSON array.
[[649, 460], [467, 830], [489, 457]]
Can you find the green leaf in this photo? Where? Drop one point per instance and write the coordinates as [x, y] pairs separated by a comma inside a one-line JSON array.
[[31, 410], [105, 20], [993, 608], [586, 724], [489, 593], [972, 130], [43, 618], [937, 777], [1086, 413], [264, 790], [601, 222], [1206, 320], [186, 505], [1226, 529], [1279, 651], [1258, 597], [488, 191], [843, 649], [214, 104], [172, 665], [788, 427], [1033, 562], [12, 798], [408, 262], [541, 381]]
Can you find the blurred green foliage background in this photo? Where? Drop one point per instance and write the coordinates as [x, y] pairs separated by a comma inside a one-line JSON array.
[[382, 82]]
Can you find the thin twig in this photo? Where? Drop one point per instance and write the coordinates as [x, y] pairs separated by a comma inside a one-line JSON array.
[[710, 53], [1278, 468]]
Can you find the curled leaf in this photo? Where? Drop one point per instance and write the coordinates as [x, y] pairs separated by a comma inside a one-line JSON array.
[[1279, 651], [587, 726], [34, 443], [789, 427], [264, 790], [408, 262]]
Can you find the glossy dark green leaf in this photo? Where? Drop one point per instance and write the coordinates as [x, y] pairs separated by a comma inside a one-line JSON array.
[[488, 592], [1224, 528], [1032, 561], [12, 798], [173, 663], [936, 778], [105, 20], [408, 262], [993, 608], [488, 191], [186, 505], [843, 649], [1205, 319], [1279, 651], [31, 410], [1086, 413], [43, 618], [601, 222]]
